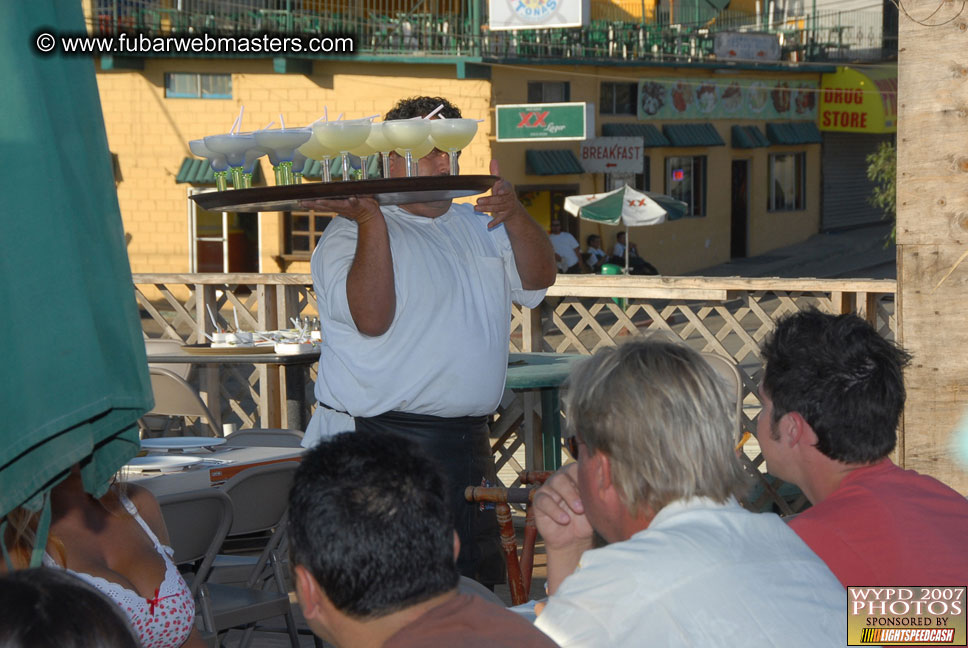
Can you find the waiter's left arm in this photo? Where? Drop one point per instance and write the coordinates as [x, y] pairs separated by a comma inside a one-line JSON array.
[[534, 257]]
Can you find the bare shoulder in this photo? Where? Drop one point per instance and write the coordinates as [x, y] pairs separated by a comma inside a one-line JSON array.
[[148, 508]]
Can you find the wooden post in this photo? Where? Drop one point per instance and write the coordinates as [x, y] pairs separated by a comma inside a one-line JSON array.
[[932, 231]]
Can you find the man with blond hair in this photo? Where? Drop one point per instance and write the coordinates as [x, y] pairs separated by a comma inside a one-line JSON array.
[[658, 479]]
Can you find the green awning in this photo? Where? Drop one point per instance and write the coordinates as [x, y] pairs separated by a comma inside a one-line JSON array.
[[199, 172], [801, 132], [551, 163], [74, 377], [314, 170], [692, 135], [651, 135], [747, 137]]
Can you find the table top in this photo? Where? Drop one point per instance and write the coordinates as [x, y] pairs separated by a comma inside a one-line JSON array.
[[204, 475], [306, 358], [534, 370]]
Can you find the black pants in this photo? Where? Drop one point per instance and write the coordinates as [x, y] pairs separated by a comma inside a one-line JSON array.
[[460, 448]]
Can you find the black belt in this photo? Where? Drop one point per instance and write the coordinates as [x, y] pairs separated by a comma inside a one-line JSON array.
[[427, 420]]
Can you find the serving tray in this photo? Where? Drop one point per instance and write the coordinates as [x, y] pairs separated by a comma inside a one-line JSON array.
[[205, 349], [386, 191]]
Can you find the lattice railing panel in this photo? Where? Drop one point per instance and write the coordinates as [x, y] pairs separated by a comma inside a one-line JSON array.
[[731, 316]]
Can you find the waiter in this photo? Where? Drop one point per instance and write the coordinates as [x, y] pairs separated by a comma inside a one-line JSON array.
[[415, 312]]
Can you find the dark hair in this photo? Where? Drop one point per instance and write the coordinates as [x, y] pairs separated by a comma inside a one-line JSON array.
[[842, 377], [421, 106], [368, 518], [592, 237], [49, 608]]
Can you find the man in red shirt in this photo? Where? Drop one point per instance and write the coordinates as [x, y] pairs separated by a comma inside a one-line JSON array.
[[832, 394]]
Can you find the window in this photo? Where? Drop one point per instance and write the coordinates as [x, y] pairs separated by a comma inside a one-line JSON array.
[[787, 178], [549, 91], [302, 231], [182, 85], [686, 181], [640, 181], [618, 98]]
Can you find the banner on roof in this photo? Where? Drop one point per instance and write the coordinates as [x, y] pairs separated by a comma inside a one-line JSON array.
[[699, 98], [537, 14]]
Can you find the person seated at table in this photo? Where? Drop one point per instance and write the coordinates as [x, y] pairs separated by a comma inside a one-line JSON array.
[[832, 394], [636, 264], [594, 254], [374, 552], [118, 544], [657, 478], [48, 608]]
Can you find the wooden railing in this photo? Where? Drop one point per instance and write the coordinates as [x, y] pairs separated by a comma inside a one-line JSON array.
[[582, 313]]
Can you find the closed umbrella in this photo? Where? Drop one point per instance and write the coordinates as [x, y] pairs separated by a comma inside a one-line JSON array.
[[626, 206], [73, 372]]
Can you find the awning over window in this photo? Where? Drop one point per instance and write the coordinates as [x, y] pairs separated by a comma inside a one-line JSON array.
[[199, 172], [692, 135], [551, 163], [747, 137], [652, 136], [793, 133]]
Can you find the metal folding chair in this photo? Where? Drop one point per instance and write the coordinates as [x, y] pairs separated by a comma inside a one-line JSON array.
[[176, 398], [265, 438]]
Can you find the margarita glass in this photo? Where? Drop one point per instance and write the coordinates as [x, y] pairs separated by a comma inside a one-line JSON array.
[[343, 136], [283, 142], [378, 141], [299, 162], [248, 165], [452, 135], [417, 152], [233, 147], [217, 161], [322, 154], [407, 134], [364, 151]]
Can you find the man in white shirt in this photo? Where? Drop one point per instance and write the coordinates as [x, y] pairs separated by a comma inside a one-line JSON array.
[[657, 478], [594, 255], [415, 309], [567, 252]]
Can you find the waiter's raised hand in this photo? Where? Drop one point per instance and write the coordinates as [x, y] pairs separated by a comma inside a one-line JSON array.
[[503, 203], [361, 209]]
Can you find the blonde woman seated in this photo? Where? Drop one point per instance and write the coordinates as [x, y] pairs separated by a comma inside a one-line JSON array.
[[118, 544]]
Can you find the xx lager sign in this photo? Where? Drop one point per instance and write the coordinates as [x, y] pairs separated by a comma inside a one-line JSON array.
[[551, 122]]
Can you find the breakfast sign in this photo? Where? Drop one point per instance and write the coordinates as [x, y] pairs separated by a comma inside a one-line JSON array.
[[696, 98]]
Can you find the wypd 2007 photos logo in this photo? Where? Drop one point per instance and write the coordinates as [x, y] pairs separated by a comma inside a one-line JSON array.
[[534, 10], [916, 615]]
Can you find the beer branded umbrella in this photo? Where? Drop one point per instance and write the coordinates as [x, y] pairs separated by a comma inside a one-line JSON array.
[[626, 206]]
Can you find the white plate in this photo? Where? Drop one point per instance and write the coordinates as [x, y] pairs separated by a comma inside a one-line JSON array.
[[161, 462], [181, 443]]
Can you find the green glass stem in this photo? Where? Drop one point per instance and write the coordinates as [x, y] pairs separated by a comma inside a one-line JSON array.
[[221, 180], [327, 172], [299, 178], [364, 166], [287, 173], [238, 178], [277, 173], [247, 180]]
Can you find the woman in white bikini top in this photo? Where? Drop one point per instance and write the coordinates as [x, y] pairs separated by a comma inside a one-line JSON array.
[[118, 545]]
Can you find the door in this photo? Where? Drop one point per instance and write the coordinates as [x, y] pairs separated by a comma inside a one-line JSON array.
[[739, 213], [223, 241]]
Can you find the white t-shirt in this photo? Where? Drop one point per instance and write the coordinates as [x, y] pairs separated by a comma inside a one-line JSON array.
[[445, 353], [594, 257], [565, 246], [702, 574]]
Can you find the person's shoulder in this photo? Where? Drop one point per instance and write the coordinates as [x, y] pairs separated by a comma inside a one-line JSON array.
[[147, 506]]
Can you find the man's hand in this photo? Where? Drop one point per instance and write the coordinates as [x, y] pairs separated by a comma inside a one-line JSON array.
[[560, 513], [560, 518], [503, 203], [361, 209]]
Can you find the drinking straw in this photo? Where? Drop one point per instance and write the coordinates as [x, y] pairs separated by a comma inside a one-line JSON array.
[[282, 121], [238, 121], [212, 316], [235, 311], [340, 117], [268, 126], [434, 111], [325, 113]]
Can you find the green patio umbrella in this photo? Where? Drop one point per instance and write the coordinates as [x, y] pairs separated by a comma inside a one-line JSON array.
[[73, 378], [626, 206]]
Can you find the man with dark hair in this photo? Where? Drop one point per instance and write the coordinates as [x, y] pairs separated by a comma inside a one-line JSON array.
[[415, 311], [373, 550], [595, 256], [832, 393]]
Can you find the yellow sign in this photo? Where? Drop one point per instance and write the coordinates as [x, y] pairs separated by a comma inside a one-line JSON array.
[[859, 101]]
